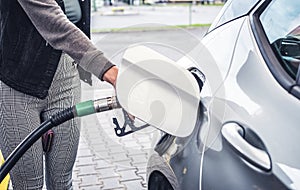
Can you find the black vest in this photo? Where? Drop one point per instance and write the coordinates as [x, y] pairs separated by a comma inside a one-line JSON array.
[[27, 63]]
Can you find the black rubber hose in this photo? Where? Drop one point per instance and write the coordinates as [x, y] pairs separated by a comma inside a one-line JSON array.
[[55, 120]]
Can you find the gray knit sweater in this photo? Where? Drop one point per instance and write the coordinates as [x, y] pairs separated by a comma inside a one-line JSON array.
[[63, 35]]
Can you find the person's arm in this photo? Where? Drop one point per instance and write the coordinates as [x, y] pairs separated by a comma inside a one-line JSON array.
[[61, 34]]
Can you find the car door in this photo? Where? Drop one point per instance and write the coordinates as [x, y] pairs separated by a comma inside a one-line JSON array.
[[255, 134]]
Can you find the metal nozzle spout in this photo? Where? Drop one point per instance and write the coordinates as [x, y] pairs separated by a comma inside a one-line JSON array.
[[106, 104]]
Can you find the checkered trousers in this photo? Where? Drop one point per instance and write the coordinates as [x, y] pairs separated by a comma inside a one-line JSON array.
[[21, 113]]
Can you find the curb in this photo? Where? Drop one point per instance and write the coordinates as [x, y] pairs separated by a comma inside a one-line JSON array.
[[146, 29]]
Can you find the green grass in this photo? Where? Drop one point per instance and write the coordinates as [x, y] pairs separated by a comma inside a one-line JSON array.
[[184, 3], [141, 29]]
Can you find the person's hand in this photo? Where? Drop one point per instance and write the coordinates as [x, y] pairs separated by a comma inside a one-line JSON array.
[[111, 75]]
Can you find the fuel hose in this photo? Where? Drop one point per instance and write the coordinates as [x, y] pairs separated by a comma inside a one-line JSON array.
[[79, 110]]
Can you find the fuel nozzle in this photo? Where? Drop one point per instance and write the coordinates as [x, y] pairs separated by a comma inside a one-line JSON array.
[[105, 104], [94, 106]]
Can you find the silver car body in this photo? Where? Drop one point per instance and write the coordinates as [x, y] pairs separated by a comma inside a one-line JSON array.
[[247, 136]]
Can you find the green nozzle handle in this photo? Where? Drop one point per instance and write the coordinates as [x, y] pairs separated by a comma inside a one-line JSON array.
[[85, 108]]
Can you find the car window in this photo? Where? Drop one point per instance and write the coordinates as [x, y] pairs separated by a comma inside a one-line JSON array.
[[281, 23], [233, 9]]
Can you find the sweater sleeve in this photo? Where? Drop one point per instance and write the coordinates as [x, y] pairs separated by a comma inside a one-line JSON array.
[[62, 34]]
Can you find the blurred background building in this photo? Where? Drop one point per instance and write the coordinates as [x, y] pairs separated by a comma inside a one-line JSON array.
[[100, 3]]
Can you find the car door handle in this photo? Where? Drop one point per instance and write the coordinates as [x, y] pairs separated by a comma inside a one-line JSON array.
[[234, 134]]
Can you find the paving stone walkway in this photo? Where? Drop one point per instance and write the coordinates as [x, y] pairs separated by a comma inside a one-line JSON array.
[[105, 161]]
